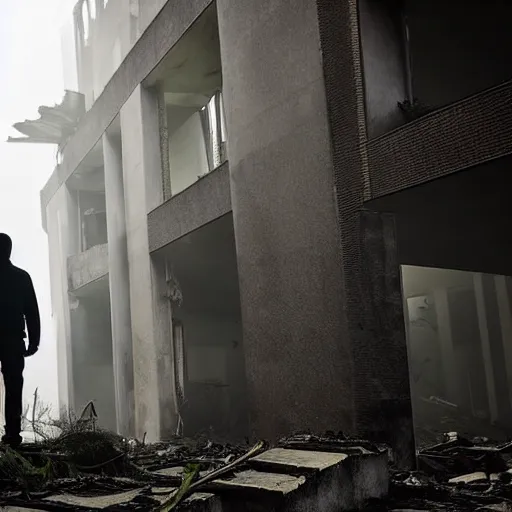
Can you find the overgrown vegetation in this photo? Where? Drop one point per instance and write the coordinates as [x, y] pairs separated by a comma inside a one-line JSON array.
[[72, 454], [64, 448]]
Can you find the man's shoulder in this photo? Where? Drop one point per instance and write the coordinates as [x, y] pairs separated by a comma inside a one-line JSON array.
[[20, 273]]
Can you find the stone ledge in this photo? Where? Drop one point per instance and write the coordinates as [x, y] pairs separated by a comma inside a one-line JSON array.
[[87, 266], [462, 135], [295, 480]]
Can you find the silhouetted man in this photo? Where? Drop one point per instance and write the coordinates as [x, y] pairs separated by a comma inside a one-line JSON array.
[[18, 304]]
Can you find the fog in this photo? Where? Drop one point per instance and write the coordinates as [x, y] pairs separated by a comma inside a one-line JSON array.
[[30, 66]]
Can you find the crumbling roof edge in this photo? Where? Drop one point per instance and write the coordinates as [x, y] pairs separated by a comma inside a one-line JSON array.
[[55, 124]]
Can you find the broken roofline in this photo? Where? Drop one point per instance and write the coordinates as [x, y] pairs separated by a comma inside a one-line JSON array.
[[55, 124]]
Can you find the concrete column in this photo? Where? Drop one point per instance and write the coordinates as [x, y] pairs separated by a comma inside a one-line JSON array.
[[492, 347], [119, 282], [60, 223], [486, 344], [504, 297], [294, 326], [450, 365], [152, 342]]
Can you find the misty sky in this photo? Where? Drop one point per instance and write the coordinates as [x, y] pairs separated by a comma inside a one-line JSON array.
[[31, 72]]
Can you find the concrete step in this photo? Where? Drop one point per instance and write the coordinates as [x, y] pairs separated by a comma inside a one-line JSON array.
[[294, 480]]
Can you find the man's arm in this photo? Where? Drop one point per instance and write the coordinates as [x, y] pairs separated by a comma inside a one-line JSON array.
[[31, 312]]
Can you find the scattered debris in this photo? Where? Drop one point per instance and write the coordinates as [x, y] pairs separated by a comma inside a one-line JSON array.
[[457, 475], [86, 468]]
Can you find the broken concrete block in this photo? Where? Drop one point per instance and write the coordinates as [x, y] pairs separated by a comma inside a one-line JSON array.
[[18, 509], [94, 502], [287, 480], [362, 477], [478, 476], [197, 502]]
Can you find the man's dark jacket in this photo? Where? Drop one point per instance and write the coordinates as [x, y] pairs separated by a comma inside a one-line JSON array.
[[18, 303]]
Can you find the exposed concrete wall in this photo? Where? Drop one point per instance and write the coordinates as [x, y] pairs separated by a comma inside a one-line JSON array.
[[153, 382], [88, 266], [148, 10], [296, 345], [58, 214], [119, 286]]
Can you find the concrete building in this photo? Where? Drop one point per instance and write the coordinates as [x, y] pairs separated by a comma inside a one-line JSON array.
[[271, 214]]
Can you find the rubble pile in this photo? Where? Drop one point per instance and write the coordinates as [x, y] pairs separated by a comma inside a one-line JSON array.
[[456, 475], [93, 470]]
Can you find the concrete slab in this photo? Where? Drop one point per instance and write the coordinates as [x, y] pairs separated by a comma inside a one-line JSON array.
[[18, 509], [331, 482], [299, 459], [198, 502], [95, 502], [271, 482], [348, 480]]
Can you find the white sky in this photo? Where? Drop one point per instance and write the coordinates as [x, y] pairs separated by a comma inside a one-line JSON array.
[[31, 75]]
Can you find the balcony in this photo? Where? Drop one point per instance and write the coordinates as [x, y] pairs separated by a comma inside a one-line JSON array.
[[465, 134], [87, 267]]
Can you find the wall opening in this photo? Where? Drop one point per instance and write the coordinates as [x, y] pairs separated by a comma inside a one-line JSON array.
[[459, 334], [430, 55], [87, 191], [207, 331], [91, 335], [189, 83]]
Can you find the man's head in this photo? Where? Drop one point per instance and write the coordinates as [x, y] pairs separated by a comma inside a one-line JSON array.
[[5, 247]]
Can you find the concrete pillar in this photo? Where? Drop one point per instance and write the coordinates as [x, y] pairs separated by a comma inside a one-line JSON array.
[[491, 335], [60, 215], [294, 327], [383, 399], [119, 282], [504, 297], [152, 341], [450, 365], [479, 280]]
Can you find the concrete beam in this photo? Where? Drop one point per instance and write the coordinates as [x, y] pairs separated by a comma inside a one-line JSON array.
[[205, 201], [88, 266], [443, 142]]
